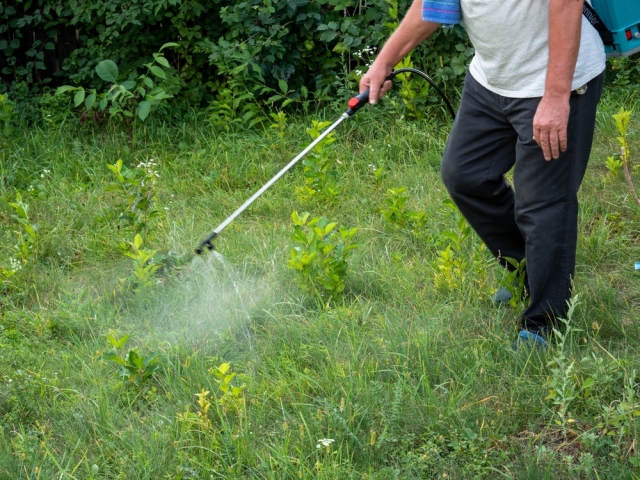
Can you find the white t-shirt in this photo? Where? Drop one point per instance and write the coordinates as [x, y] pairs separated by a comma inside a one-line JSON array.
[[511, 40]]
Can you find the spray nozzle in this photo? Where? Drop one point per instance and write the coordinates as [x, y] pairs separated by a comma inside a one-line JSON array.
[[207, 242]]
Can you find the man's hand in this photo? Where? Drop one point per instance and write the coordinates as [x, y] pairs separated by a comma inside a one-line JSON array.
[[411, 32], [550, 126], [552, 116], [375, 81]]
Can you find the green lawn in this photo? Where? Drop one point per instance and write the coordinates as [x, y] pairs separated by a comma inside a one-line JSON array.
[[406, 373]]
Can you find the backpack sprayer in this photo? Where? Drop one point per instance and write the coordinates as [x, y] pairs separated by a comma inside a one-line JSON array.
[[354, 104], [617, 22]]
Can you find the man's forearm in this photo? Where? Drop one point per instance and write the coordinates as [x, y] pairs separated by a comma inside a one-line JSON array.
[[565, 22], [552, 116], [411, 31], [409, 34]]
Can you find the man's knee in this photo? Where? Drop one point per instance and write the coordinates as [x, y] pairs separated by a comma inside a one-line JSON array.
[[457, 181]]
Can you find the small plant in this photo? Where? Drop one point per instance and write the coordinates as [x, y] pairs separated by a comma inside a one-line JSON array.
[[378, 174], [452, 264], [136, 197], [200, 423], [398, 216], [622, 124], [319, 171], [513, 280], [279, 123], [6, 113], [614, 165], [134, 368], [7, 273], [414, 92], [27, 237], [232, 398], [563, 389], [145, 264], [320, 254], [132, 97]]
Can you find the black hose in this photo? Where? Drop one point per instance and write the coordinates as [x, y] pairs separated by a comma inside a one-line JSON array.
[[431, 82]]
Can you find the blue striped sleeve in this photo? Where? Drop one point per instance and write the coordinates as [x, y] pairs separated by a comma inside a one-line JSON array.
[[446, 12]]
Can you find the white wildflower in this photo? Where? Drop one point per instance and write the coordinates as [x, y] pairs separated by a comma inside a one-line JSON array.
[[324, 442], [15, 264]]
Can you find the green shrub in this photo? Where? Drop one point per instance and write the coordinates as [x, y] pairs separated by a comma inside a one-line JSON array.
[[278, 51]]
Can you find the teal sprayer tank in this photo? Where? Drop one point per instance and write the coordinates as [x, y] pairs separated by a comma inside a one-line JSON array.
[[622, 17]]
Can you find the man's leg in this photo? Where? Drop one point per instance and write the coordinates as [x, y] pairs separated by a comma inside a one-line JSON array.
[[546, 204], [480, 150]]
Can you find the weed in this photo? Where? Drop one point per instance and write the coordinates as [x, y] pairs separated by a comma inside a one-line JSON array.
[[134, 368], [232, 398], [145, 266], [320, 254], [413, 92], [622, 124], [562, 385], [513, 280], [279, 124], [134, 188], [397, 215], [26, 248], [452, 265], [7, 108], [378, 174], [319, 170], [614, 166]]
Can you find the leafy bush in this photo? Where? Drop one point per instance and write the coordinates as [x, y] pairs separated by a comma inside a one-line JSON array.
[[320, 255], [279, 51]]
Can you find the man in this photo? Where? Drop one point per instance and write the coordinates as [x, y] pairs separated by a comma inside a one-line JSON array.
[[529, 102]]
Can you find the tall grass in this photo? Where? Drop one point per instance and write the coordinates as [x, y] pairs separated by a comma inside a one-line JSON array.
[[400, 378]]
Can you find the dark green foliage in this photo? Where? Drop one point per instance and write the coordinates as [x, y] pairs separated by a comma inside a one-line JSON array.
[[279, 51]]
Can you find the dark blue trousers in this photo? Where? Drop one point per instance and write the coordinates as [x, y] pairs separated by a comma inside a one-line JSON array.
[[537, 218]]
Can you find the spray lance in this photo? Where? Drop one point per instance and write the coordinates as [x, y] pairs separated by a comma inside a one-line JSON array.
[[354, 104]]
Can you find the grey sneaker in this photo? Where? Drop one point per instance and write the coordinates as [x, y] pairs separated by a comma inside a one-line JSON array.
[[501, 297]]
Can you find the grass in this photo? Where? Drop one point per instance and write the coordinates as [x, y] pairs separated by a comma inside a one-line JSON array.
[[407, 378]]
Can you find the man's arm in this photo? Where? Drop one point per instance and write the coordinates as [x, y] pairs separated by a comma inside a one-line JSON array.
[[551, 118], [410, 33]]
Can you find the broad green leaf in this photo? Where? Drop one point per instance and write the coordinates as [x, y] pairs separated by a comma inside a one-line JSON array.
[[143, 110], [64, 88], [107, 70], [117, 343], [236, 391], [162, 61], [224, 368], [90, 101], [588, 383], [78, 98], [239, 69], [167, 45], [112, 357], [149, 359], [128, 84], [283, 86], [157, 71]]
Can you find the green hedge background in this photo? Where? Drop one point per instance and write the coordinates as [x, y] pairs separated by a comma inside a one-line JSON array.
[[255, 45]]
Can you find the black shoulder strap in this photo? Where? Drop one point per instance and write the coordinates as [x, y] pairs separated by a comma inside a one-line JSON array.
[[598, 24]]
